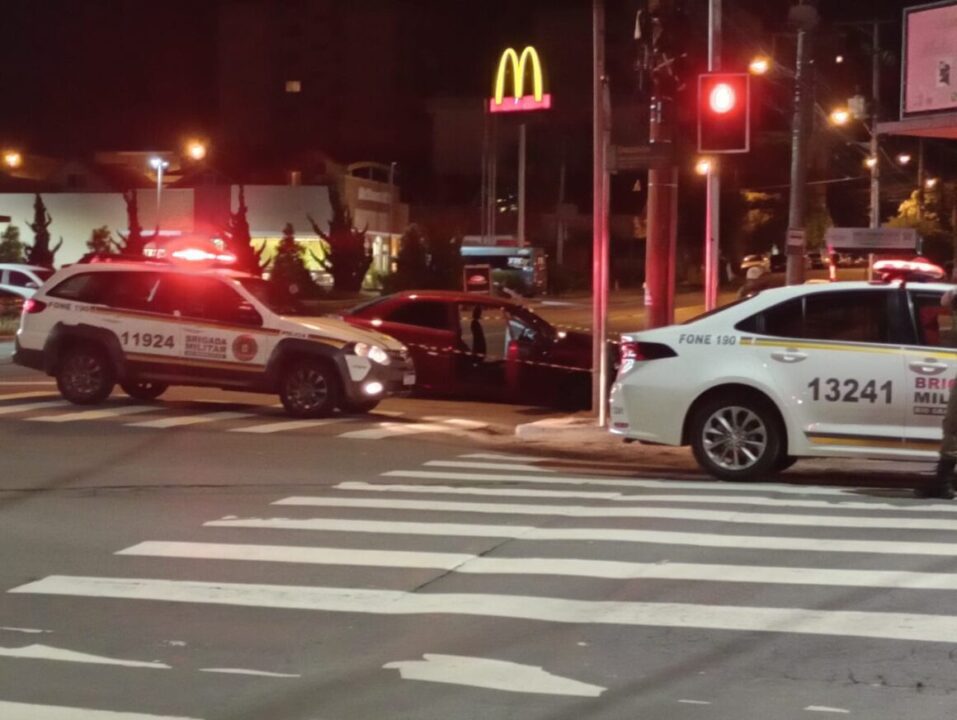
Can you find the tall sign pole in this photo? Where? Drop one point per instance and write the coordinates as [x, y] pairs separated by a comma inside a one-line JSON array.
[[521, 185], [713, 189], [600, 183]]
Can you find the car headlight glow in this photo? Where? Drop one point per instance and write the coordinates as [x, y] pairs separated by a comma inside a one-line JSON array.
[[373, 352]]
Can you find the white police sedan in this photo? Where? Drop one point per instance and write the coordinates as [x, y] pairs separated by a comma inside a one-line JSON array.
[[850, 369]]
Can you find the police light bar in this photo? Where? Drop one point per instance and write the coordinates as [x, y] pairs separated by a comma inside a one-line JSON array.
[[916, 270], [200, 255]]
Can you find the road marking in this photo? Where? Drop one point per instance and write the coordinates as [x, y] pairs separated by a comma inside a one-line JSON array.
[[28, 631], [491, 675], [27, 407], [387, 430], [504, 457], [30, 711], [284, 425], [456, 422], [241, 671], [96, 414], [28, 395], [24, 383], [582, 511], [180, 420], [47, 652], [616, 482], [695, 702], [568, 567], [657, 537], [515, 467], [756, 500], [496, 492], [826, 709], [918, 627]]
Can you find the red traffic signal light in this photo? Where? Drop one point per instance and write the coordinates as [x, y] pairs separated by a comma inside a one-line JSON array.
[[724, 113]]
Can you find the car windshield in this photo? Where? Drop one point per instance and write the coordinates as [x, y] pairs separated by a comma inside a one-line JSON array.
[[534, 322], [280, 302]]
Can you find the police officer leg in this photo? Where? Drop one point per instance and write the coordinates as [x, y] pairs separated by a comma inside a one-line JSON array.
[[942, 485]]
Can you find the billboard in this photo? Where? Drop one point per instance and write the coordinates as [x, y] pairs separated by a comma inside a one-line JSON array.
[[929, 82], [519, 101]]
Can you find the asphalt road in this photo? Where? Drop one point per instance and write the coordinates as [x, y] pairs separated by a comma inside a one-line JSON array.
[[172, 561]]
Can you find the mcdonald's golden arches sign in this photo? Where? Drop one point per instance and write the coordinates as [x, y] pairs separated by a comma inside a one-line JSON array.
[[519, 68]]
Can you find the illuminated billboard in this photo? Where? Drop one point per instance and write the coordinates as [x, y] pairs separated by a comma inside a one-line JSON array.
[[520, 66], [929, 82]]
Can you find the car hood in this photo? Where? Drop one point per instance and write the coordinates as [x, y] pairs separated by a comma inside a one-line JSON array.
[[336, 329]]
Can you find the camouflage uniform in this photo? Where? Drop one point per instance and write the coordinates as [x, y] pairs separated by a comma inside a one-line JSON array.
[[942, 484], [948, 446]]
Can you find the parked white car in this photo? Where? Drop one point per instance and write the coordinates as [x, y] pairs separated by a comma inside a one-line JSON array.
[[23, 280], [850, 369]]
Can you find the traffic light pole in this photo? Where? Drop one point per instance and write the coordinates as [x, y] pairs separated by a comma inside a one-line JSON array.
[[713, 202], [802, 103]]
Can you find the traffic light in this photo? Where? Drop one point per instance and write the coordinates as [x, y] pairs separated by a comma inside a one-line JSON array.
[[724, 113]]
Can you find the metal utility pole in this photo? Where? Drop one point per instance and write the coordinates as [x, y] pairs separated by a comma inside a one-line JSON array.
[[921, 178], [875, 149], [712, 230], [600, 183], [521, 185], [805, 18]]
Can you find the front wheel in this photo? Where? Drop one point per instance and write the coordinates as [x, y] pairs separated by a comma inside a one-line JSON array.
[[85, 375], [737, 438], [142, 390], [309, 388]]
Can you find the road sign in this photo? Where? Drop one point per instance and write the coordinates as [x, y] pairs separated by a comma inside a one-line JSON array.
[[4, 218], [796, 237], [640, 157], [856, 238]]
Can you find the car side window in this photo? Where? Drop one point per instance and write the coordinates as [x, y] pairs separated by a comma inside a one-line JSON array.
[[935, 323], [203, 298], [88, 287], [851, 316], [133, 291], [427, 314], [21, 279]]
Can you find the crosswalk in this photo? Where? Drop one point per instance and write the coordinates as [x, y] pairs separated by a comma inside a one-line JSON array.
[[46, 408], [767, 560]]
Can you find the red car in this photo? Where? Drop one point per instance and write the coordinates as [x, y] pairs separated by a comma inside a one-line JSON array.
[[485, 347]]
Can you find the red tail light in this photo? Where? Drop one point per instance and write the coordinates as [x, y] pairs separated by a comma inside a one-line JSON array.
[[33, 306], [641, 351]]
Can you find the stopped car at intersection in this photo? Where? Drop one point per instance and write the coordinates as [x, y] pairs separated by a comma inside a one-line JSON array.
[[471, 345], [22, 280], [147, 325], [849, 370]]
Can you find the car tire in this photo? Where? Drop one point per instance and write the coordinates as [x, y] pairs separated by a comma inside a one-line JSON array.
[[144, 390], [784, 462], [359, 407], [85, 375], [309, 388], [737, 438]]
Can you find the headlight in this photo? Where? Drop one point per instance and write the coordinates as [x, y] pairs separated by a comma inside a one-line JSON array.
[[373, 352]]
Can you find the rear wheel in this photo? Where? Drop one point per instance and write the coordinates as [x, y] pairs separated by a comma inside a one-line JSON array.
[[737, 438], [85, 375], [142, 390], [309, 388], [784, 462]]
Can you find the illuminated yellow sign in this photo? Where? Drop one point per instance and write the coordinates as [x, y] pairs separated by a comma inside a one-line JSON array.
[[519, 65]]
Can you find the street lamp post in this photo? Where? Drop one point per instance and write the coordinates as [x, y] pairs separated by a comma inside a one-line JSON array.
[[158, 164]]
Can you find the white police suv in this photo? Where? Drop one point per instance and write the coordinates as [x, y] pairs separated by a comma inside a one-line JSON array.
[[849, 369], [148, 325]]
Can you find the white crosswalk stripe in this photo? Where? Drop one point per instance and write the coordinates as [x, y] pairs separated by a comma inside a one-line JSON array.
[[30, 407], [389, 429], [502, 565], [100, 414], [286, 425], [183, 420]]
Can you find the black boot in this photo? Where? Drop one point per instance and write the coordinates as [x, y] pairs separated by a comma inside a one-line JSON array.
[[942, 485]]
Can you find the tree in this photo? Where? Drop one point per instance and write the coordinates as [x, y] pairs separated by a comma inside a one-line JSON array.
[[40, 253], [412, 263], [101, 241], [288, 275], [134, 242], [239, 241], [11, 248], [348, 255], [445, 262]]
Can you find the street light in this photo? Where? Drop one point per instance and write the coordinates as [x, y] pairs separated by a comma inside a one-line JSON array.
[[12, 159], [196, 150], [759, 65], [930, 183], [703, 166], [871, 162], [840, 116], [903, 158], [158, 164]]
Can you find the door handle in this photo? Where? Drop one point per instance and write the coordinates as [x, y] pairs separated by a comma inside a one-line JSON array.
[[789, 355], [928, 366]]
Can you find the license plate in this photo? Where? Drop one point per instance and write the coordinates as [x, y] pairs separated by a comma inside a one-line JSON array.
[[408, 379]]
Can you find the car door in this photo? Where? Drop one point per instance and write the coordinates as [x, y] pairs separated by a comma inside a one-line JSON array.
[[836, 360], [221, 338], [146, 337], [931, 365], [485, 333], [426, 327]]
